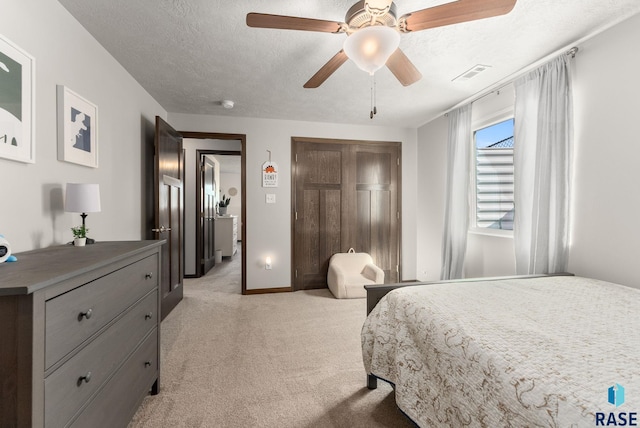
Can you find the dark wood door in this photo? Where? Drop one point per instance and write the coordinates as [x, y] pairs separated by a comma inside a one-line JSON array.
[[207, 213], [319, 194], [169, 209], [377, 211], [346, 195]]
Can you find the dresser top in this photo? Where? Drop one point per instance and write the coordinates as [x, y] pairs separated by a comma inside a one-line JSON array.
[[41, 268]]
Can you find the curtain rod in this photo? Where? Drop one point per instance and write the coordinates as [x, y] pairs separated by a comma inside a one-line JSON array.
[[511, 78], [570, 49]]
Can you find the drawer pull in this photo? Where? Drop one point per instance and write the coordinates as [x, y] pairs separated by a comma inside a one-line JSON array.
[[148, 275], [86, 314], [147, 363], [148, 316], [86, 378]]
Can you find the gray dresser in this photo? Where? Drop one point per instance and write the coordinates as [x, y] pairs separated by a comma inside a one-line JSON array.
[[79, 334]]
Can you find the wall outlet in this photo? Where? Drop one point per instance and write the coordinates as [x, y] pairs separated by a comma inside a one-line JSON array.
[[271, 198]]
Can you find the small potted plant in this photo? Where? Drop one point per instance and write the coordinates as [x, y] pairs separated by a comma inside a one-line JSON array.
[[223, 204], [79, 235]]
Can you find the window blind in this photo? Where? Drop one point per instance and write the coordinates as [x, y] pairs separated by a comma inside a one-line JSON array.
[[494, 186]]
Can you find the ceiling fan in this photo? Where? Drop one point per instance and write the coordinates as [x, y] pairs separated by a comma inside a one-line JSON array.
[[379, 17]]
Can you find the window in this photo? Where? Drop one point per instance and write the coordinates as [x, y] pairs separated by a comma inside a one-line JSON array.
[[493, 205]]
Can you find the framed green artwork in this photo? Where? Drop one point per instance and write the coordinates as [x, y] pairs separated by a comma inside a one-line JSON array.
[[17, 103]]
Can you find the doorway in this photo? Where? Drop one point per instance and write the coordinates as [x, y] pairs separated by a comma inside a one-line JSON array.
[[200, 236], [219, 181], [346, 195]]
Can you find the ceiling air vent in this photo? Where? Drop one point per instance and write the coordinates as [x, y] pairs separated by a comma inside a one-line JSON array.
[[472, 72]]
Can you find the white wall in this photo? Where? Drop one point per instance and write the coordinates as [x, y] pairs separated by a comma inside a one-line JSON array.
[[269, 225], [227, 181], [31, 195], [605, 231], [431, 183], [605, 228]]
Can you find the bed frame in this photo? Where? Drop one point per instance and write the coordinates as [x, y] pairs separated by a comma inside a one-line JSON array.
[[376, 292]]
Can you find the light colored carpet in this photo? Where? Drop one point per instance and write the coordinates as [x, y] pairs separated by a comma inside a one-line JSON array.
[[270, 360]]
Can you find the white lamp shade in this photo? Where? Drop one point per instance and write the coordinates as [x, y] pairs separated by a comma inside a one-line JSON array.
[[82, 198], [371, 47]]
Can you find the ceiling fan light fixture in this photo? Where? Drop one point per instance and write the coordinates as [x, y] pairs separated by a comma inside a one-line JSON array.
[[371, 47]]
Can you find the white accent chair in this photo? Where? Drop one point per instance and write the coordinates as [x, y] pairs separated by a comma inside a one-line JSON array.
[[350, 272]]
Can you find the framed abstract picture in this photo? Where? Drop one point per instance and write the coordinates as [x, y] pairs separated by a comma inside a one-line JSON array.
[[17, 103], [77, 129]]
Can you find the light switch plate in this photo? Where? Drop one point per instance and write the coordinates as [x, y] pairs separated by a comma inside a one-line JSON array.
[[271, 198]]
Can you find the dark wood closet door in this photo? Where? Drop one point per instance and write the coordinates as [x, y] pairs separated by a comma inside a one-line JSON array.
[[377, 211], [346, 194], [319, 193]]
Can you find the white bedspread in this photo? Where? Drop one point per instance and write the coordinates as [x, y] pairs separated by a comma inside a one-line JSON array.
[[518, 353]]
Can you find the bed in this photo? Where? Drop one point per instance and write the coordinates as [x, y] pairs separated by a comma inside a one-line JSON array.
[[537, 351]]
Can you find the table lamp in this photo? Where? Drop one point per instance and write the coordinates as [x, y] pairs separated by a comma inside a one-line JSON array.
[[82, 198]]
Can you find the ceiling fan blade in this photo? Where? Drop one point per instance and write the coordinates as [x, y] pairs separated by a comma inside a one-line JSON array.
[[263, 20], [327, 70], [455, 12], [403, 68]]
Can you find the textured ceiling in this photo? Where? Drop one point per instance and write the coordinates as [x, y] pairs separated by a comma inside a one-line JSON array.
[[191, 54]]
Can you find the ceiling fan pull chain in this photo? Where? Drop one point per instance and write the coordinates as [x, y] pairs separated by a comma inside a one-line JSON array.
[[372, 102], [375, 109]]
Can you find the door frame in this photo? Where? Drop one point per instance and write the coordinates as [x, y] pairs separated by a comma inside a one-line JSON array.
[[243, 224], [294, 175]]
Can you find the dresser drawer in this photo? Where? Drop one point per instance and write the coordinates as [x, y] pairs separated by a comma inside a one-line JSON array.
[[71, 385], [73, 317], [129, 384]]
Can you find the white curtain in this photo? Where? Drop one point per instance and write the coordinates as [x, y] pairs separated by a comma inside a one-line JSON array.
[[543, 134], [456, 222]]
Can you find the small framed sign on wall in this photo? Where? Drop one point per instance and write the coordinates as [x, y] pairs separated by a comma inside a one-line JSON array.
[[77, 129], [269, 174]]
